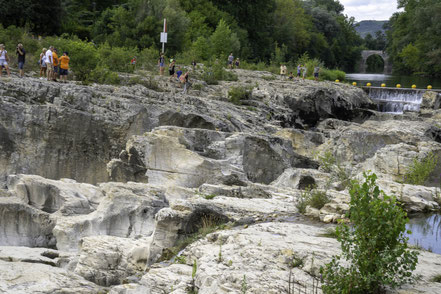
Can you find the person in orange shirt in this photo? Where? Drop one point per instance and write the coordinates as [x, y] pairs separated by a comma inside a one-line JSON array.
[[55, 58], [64, 66]]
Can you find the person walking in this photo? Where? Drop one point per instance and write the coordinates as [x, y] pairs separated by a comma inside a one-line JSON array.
[[64, 66], [21, 56], [193, 64], [4, 58], [56, 63], [50, 63], [316, 73], [230, 60], [42, 62], [161, 63]]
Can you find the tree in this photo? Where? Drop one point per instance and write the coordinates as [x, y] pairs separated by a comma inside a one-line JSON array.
[[223, 41], [374, 246]]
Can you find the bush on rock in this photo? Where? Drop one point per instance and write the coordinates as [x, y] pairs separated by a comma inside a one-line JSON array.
[[374, 246]]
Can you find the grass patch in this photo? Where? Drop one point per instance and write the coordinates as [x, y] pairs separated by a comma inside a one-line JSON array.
[[237, 94], [436, 279], [329, 233], [208, 225], [312, 197], [420, 170]]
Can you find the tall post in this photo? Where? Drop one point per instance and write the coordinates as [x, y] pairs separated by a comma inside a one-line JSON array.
[[164, 35]]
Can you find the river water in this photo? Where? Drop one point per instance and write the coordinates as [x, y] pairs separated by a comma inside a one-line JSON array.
[[391, 80], [426, 231]]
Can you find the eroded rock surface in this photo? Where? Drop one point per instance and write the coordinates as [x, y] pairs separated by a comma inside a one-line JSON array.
[[100, 182]]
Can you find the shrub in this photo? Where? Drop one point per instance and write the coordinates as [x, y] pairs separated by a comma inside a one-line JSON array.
[[420, 170], [332, 74], [313, 197], [148, 58], [374, 246], [116, 58], [237, 94], [436, 279], [103, 75], [327, 161]]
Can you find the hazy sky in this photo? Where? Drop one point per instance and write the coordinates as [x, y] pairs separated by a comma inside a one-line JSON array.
[[369, 9]]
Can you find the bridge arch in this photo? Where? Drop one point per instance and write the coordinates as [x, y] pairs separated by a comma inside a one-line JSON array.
[[365, 55]]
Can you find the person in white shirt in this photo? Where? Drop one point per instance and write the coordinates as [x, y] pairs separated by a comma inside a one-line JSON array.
[[4, 60], [42, 63], [50, 64]]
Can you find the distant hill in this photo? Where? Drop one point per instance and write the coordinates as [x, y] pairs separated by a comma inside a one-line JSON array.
[[365, 27]]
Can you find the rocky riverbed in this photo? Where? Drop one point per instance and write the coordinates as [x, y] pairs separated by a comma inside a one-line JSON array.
[[100, 183]]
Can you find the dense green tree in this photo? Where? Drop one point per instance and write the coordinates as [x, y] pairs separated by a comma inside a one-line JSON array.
[[41, 16], [413, 39]]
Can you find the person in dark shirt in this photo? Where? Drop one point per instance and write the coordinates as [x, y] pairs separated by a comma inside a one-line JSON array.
[[21, 54]]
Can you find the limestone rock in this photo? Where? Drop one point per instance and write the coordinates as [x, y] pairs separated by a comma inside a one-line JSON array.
[[431, 100], [108, 260], [25, 278]]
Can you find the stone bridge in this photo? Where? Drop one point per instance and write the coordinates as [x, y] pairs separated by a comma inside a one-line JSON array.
[[365, 55]]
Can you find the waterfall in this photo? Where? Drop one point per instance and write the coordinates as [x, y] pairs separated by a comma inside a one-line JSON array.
[[396, 100]]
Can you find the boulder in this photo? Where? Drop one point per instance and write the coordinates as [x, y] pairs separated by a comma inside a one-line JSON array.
[[109, 260]]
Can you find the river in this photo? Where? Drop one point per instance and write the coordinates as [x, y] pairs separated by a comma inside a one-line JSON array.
[[392, 80], [426, 231]]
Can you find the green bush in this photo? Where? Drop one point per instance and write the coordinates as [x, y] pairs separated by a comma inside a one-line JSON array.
[[148, 59], [312, 197], [237, 94], [332, 74], [420, 170], [103, 75], [327, 161], [374, 245], [116, 58]]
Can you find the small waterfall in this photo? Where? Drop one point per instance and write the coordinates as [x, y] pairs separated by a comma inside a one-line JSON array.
[[396, 100]]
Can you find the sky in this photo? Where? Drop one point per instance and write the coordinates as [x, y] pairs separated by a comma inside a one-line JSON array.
[[369, 9]]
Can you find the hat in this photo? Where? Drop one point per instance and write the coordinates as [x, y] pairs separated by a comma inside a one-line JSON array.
[[171, 60]]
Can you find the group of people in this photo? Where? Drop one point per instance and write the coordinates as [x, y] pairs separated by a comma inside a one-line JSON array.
[[51, 66], [233, 63], [183, 78], [301, 72]]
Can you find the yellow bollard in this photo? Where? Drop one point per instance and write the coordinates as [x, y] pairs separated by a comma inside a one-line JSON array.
[[337, 81], [383, 85], [398, 86], [368, 84], [429, 87], [354, 84], [413, 86]]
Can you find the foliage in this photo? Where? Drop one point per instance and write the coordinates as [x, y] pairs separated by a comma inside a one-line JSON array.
[[374, 245], [327, 161], [239, 93], [244, 285], [436, 279], [313, 197], [412, 42], [103, 75], [420, 170], [216, 72], [223, 41], [278, 31], [332, 75], [375, 64], [116, 58]]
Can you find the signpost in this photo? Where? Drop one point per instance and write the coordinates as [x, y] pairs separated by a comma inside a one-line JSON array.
[[164, 35]]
